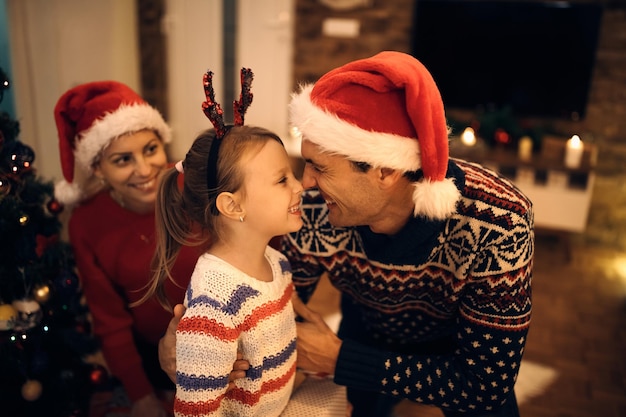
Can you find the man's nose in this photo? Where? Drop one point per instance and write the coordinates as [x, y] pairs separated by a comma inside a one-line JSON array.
[[308, 178]]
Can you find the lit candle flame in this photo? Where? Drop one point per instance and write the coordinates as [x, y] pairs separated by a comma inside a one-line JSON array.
[[468, 137], [575, 142], [573, 152]]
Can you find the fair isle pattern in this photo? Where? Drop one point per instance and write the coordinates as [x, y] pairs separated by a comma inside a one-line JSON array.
[[229, 311], [469, 282]]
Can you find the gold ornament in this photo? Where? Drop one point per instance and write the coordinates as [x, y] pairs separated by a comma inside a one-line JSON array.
[[24, 219], [41, 293], [31, 390], [8, 315]]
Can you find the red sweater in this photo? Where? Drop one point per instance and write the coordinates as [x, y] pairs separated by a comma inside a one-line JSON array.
[[113, 249]]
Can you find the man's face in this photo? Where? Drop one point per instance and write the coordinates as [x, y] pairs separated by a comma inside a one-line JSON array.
[[352, 196]]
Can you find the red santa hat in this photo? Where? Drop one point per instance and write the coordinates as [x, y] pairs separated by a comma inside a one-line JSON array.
[[88, 118], [387, 111]]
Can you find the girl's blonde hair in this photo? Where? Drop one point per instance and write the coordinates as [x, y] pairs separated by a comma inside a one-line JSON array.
[[188, 216]]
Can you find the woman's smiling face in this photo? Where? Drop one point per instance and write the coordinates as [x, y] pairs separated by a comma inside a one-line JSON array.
[[132, 165]]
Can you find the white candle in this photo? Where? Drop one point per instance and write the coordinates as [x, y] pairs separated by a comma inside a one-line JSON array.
[[468, 137], [573, 152], [525, 148]]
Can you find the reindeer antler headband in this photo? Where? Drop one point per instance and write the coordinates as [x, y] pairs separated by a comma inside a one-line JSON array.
[[215, 114]]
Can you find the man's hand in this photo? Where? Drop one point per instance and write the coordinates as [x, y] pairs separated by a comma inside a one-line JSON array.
[[167, 352], [317, 345]]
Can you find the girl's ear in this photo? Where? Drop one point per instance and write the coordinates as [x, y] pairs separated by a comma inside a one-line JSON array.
[[228, 205]]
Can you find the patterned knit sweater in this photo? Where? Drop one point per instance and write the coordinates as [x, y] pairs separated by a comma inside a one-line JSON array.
[[228, 310], [437, 313]]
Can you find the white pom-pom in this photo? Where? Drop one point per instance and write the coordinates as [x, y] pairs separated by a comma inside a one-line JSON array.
[[67, 194], [435, 200]]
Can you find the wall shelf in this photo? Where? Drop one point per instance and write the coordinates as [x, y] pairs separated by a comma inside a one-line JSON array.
[[561, 196]]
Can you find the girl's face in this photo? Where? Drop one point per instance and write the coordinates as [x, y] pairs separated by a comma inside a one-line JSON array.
[[272, 193], [131, 165]]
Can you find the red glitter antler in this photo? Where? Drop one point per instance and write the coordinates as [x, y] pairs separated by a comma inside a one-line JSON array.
[[245, 98], [211, 108]]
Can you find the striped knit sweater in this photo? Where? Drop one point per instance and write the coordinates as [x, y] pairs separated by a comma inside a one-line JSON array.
[[438, 313], [228, 310]]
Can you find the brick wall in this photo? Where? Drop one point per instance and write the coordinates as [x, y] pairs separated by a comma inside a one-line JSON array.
[[387, 24]]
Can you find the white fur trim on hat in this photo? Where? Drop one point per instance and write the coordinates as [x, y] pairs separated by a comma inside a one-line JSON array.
[[337, 136], [435, 199], [84, 185], [125, 119], [66, 193]]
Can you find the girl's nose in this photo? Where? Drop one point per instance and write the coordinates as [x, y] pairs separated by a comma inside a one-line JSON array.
[[297, 187]]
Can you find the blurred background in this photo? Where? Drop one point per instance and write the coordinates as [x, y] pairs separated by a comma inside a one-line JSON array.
[[575, 51], [162, 47]]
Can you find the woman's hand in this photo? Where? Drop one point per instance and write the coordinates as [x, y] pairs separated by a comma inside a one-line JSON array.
[[167, 352], [167, 344]]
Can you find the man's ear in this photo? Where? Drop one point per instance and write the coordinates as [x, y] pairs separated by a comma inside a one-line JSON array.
[[228, 205], [388, 177]]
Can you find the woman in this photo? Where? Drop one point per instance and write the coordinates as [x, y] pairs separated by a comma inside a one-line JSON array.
[[112, 148]]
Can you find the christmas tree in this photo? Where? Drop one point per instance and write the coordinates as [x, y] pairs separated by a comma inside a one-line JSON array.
[[44, 325]]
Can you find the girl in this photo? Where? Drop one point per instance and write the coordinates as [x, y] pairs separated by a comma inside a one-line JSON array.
[[239, 191]]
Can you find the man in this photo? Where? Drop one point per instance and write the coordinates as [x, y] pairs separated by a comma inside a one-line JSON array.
[[433, 257]]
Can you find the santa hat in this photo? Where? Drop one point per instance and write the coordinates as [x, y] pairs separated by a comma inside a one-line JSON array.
[[387, 111], [88, 118]]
